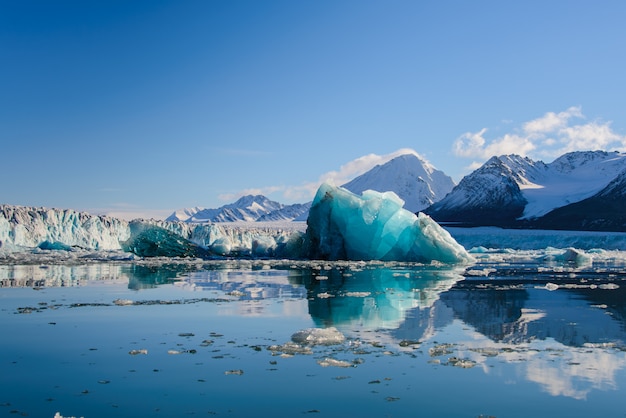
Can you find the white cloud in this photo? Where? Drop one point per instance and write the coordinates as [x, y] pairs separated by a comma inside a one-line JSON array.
[[550, 135], [551, 122], [472, 145], [591, 136]]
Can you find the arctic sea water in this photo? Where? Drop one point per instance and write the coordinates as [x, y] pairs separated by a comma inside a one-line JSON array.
[[518, 333], [99, 318]]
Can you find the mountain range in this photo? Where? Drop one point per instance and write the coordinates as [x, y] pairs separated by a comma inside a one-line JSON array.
[[250, 208], [410, 176], [583, 190], [579, 191]]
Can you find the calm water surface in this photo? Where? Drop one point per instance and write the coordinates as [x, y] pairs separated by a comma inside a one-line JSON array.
[[169, 340]]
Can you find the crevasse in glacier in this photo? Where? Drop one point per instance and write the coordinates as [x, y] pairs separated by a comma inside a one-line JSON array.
[[374, 226]]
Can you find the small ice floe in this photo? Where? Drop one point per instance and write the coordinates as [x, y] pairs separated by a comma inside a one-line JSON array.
[[571, 255], [236, 293], [551, 286], [609, 286], [480, 272], [460, 362], [175, 352], [123, 302], [136, 352], [440, 349], [325, 295], [237, 372], [487, 352], [290, 349], [318, 336], [331, 362]]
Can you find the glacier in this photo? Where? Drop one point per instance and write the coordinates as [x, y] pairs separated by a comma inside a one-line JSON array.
[[28, 228], [41, 235], [374, 226]]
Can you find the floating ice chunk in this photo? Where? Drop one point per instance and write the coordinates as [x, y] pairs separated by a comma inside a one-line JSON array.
[[221, 246], [342, 225], [331, 362], [149, 240], [263, 246], [609, 286], [55, 246], [290, 348], [573, 255], [123, 302], [318, 336], [551, 286]]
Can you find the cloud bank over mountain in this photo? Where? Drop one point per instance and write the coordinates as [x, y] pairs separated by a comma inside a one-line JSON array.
[[545, 137]]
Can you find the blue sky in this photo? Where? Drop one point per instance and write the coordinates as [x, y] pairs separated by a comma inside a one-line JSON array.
[[137, 108]]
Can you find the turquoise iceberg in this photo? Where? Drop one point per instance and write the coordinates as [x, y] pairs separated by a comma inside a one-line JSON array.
[[374, 226]]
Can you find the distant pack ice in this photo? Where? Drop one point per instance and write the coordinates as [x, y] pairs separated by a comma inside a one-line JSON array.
[[374, 226]]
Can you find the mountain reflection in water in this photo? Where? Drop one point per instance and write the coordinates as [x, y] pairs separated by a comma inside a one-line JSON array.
[[563, 331]]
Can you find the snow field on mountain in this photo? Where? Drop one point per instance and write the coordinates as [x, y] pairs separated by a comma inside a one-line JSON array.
[[569, 179]]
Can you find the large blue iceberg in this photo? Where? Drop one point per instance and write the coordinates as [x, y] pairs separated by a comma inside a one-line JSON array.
[[374, 226]]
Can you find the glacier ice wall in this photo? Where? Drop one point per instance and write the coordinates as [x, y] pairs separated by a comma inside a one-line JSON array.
[[240, 239], [374, 226], [23, 228], [30, 227]]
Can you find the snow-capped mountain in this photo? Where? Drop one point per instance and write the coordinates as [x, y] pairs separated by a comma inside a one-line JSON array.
[[247, 208], [511, 190], [602, 211], [412, 178], [295, 212]]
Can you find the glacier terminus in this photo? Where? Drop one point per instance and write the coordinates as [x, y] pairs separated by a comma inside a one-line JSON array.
[[340, 226]]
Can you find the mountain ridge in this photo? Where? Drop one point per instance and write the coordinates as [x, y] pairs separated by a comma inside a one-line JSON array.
[[409, 175], [514, 191]]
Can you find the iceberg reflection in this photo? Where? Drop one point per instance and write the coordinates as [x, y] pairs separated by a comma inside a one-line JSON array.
[[562, 331], [373, 298]]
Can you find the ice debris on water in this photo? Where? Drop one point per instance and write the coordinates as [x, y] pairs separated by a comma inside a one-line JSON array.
[[136, 352], [290, 349], [123, 302], [318, 336], [331, 362], [374, 226], [460, 362]]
